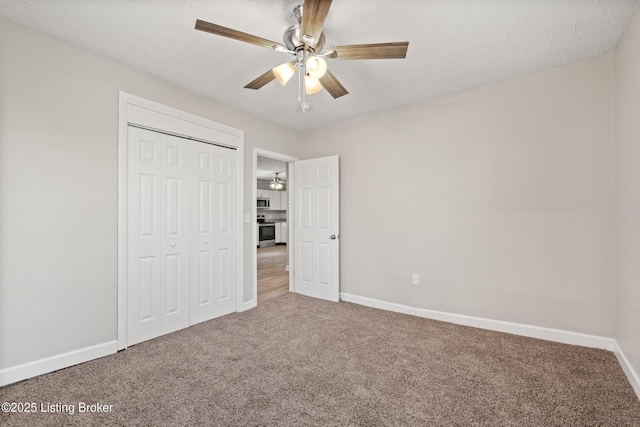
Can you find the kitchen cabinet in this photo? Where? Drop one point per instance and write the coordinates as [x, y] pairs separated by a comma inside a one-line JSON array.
[[262, 193], [278, 232], [282, 232], [283, 200], [274, 200]]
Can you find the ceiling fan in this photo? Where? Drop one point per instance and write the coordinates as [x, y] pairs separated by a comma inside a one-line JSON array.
[[276, 183], [306, 42]]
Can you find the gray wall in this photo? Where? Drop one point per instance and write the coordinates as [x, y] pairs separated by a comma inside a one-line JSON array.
[[58, 188], [627, 296], [500, 197]]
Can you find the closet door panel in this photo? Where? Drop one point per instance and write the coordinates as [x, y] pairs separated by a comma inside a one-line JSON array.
[[158, 235], [202, 224], [213, 279], [225, 237]]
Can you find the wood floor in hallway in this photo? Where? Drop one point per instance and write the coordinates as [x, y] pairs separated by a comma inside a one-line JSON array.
[[273, 279]]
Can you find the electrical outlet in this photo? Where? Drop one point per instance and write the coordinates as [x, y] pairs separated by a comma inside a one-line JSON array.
[[415, 279]]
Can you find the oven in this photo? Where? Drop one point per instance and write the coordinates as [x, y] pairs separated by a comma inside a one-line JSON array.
[[266, 232], [267, 235]]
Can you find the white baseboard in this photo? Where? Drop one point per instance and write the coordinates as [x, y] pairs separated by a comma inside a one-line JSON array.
[[631, 373], [557, 335], [248, 305], [53, 363]]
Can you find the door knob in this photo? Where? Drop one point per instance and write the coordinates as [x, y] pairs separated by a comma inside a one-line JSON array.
[[206, 242], [173, 245], [333, 237]]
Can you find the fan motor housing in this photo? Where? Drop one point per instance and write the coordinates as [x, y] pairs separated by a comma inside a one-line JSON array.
[[293, 41]]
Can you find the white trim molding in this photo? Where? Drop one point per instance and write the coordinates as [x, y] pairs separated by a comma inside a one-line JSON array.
[[248, 305], [549, 334], [54, 363], [632, 375]]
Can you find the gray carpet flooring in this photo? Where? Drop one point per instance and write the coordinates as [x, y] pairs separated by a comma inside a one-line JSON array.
[[297, 361]]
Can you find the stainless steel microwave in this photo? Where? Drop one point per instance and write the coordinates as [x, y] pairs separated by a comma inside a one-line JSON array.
[[263, 203]]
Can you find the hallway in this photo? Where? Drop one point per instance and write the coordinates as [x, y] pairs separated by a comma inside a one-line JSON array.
[[273, 279]]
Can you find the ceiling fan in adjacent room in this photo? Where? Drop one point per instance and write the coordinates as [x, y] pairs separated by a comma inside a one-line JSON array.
[[306, 42], [276, 183]]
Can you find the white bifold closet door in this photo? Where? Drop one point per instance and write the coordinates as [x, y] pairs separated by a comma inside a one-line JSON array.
[[181, 233]]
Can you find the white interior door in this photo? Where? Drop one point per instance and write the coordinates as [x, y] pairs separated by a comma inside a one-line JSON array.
[[317, 228], [213, 237], [158, 235]]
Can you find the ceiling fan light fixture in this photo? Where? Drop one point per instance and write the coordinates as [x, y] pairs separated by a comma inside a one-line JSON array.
[[312, 85], [276, 183], [284, 72], [316, 67]]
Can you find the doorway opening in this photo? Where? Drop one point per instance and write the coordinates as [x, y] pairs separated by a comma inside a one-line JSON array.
[[272, 225], [313, 224]]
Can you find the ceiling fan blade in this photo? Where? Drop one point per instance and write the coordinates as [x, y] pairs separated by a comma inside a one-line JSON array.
[[261, 81], [313, 16], [233, 34], [394, 50], [332, 85]]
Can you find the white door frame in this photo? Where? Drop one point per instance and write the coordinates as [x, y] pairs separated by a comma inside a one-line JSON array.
[[155, 116], [254, 223]]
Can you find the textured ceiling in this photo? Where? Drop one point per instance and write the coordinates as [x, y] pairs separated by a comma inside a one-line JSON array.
[[267, 167], [454, 45]]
